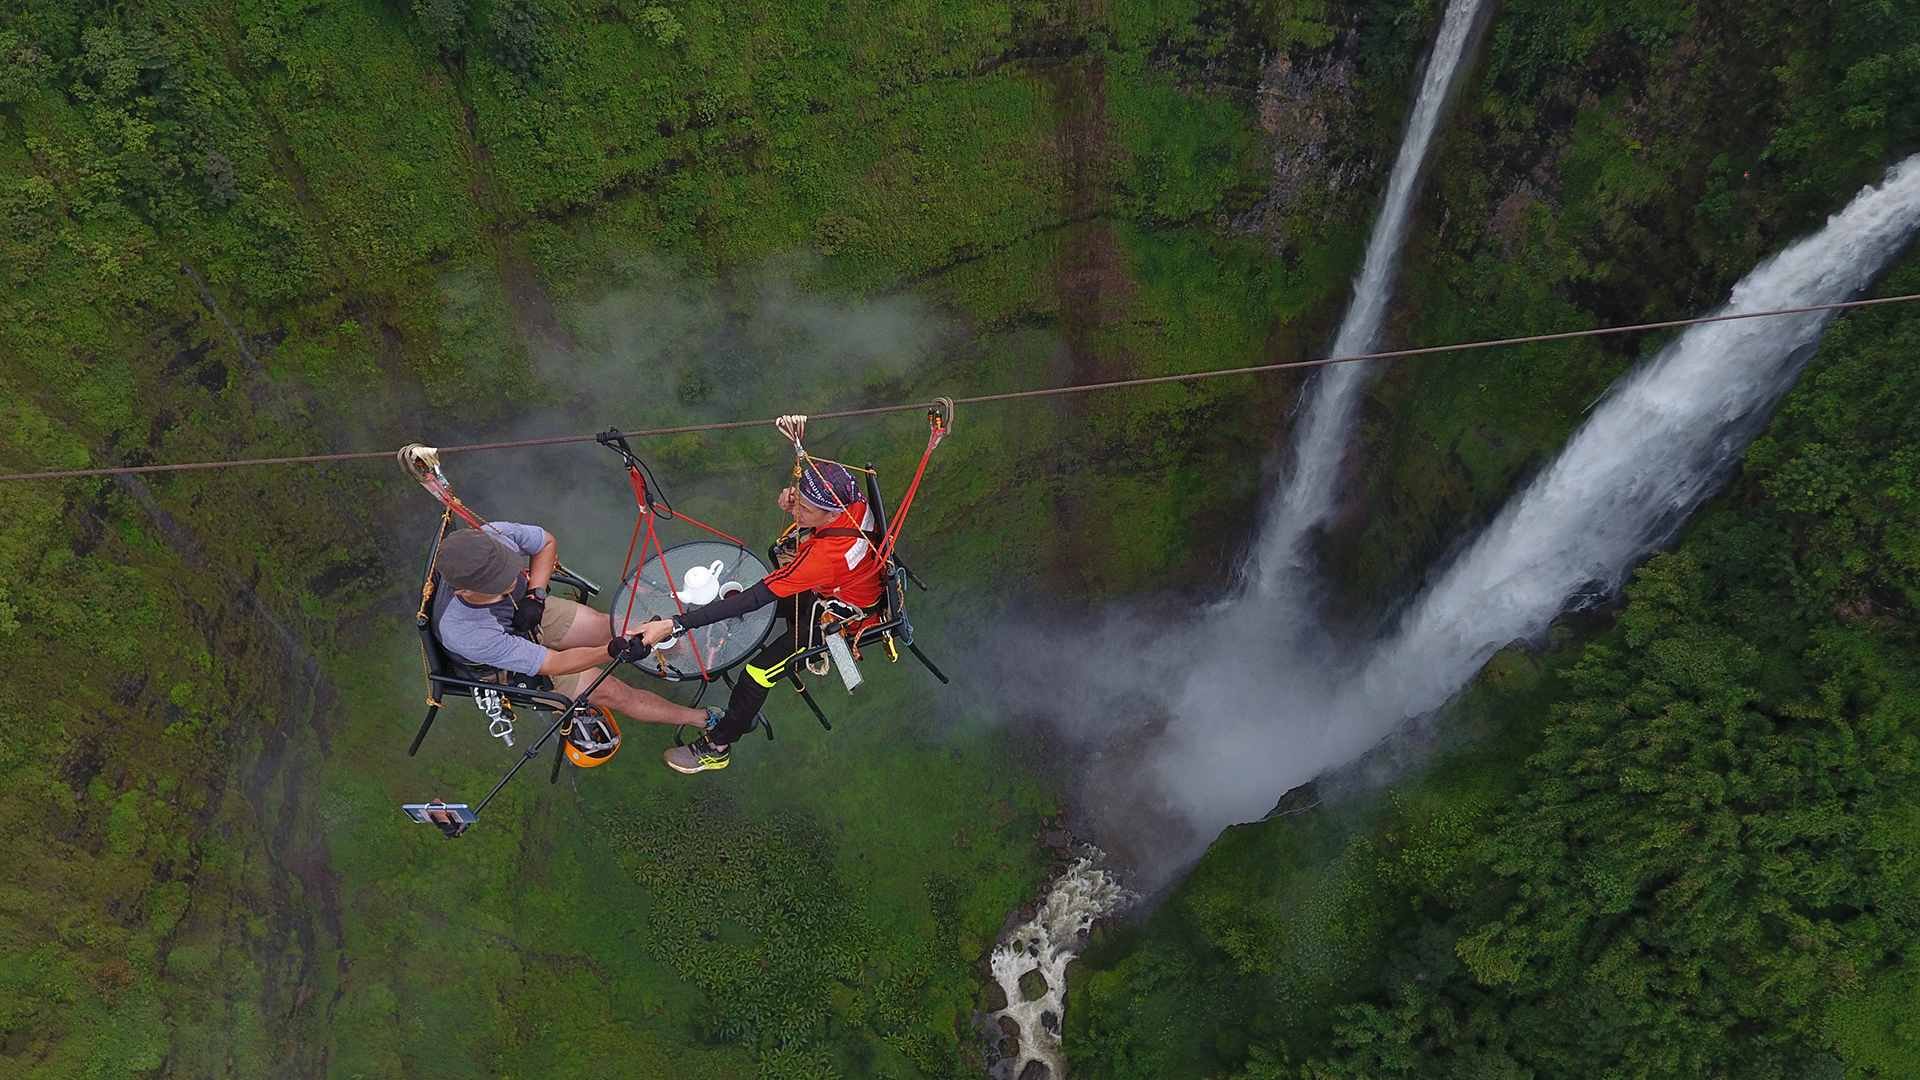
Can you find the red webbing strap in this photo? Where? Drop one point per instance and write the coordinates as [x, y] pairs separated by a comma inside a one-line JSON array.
[[633, 543], [679, 605], [438, 487], [643, 521], [934, 436], [678, 515], [626, 616]]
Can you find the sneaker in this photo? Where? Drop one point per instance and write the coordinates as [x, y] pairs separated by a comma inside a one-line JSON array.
[[697, 756]]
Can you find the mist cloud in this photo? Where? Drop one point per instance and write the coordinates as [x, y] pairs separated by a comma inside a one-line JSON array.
[[650, 345]]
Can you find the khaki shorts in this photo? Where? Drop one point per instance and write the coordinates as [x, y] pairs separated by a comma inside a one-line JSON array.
[[554, 624], [558, 618]]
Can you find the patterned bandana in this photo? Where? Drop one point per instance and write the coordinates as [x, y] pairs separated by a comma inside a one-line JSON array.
[[826, 486]]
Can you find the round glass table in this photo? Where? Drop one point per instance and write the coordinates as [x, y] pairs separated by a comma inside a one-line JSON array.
[[717, 648]]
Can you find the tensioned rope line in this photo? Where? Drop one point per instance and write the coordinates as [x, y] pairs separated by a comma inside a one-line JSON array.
[[981, 399]]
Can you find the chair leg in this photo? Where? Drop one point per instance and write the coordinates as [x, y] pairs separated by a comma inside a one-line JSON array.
[[559, 758], [808, 698], [922, 657], [421, 735]]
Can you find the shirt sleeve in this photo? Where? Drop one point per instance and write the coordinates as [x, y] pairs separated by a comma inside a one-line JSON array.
[[732, 607], [483, 641], [509, 653], [525, 539], [811, 568]]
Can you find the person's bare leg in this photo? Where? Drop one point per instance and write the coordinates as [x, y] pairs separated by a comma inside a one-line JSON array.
[[590, 627], [576, 624], [645, 705]]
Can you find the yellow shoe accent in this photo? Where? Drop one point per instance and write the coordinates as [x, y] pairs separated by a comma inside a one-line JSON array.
[[688, 760]]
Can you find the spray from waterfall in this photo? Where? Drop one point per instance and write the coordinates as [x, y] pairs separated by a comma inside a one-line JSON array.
[[1255, 714], [1277, 569], [1207, 725]]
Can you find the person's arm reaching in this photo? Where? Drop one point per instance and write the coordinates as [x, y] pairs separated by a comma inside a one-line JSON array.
[[732, 607], [569, 661], [655, 631]]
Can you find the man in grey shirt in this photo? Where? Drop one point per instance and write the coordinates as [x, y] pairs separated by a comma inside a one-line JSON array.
[[495, 613]]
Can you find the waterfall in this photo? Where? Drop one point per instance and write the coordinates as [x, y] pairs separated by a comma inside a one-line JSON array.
[[1659, 444], [1278, 563], [1046, 944], [1257, 708], [1255, 701]]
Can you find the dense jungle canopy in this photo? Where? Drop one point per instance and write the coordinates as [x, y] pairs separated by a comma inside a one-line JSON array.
[[1681, 840]]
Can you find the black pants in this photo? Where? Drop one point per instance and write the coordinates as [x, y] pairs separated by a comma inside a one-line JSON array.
[[748, 696]]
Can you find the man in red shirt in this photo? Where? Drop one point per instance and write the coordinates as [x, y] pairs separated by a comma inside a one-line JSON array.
[[834, 558]]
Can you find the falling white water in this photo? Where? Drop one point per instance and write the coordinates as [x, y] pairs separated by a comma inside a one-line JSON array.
[[1276, 569], [1047, 943], [1254, 706], [1257, 709], [1658, 446]]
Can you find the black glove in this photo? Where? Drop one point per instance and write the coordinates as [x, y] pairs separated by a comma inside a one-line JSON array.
[[628, 648], [528, 613]]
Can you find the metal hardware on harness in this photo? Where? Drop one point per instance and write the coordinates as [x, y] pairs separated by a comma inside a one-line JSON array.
[[843, 662], [832, 617], [940, 414], [499, 714]]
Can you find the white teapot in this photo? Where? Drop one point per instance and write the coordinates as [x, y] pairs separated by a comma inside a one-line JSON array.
[[702, 584]]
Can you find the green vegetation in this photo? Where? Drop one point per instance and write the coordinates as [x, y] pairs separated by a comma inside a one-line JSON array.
[[285, 228], [1613, 162], [1686, 849], [274, 228]]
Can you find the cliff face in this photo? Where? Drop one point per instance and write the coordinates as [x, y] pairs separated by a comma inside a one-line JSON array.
[[242, 231], [1601, 167], [1314, 116]]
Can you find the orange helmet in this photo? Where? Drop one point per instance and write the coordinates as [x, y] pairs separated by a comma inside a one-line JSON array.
[[592, 738]]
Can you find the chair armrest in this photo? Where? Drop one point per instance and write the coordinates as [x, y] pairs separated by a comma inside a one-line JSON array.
[[580, 585], [540, 699]]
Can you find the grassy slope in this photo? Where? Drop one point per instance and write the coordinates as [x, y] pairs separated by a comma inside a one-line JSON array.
[[233, 222]]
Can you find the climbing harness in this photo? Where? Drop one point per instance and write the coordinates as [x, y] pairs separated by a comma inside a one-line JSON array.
[[499, 719], [830, 635]]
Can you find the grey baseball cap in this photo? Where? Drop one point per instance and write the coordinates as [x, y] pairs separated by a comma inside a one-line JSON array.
[[472, 560]]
